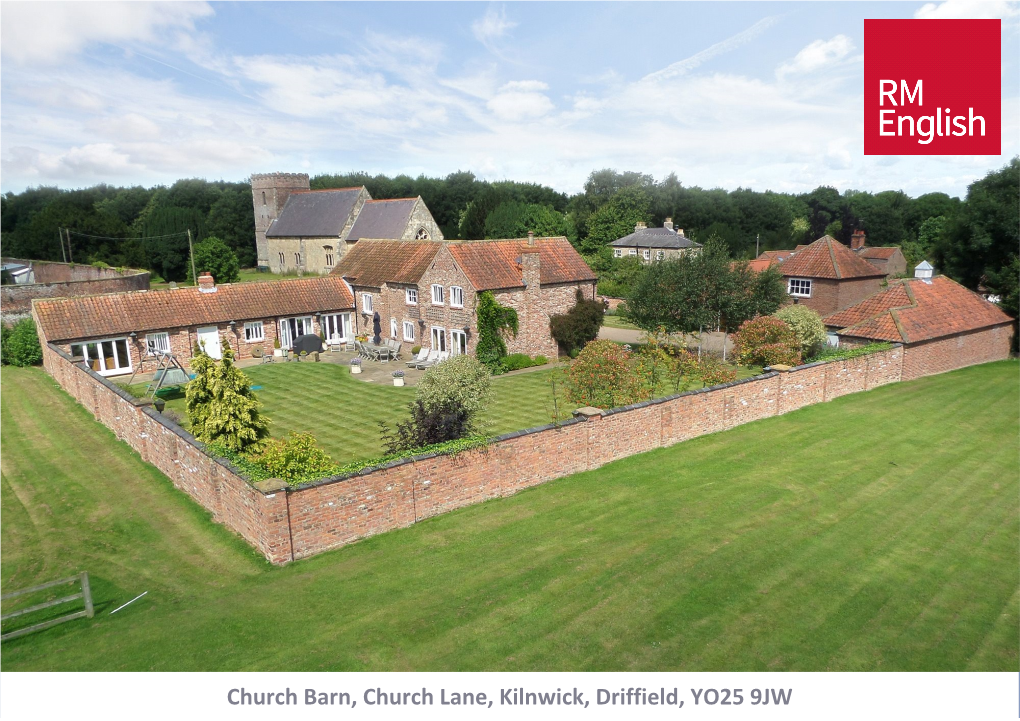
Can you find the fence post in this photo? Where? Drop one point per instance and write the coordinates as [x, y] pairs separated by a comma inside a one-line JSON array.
[[86, 592]]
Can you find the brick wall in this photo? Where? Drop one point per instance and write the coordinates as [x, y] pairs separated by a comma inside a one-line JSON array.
[[286, 524], [829, 296], [65, 280], [964, 349]]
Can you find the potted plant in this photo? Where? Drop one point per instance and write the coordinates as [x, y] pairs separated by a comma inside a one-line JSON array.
[[355, 365], [277, 350], [398, 378]]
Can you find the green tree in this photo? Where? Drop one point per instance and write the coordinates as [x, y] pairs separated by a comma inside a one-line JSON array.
[[21, 347], [222, 408], [616, 218], [513, 219], [985, 235], [601, 376], [929, 235], [579, 325], [213, 256], [231, 219]]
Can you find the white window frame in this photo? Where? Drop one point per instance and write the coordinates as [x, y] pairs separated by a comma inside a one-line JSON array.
[[617, 252], [660, 254], [254, 332], [458, 338], [409, 330], [366, 303], [393, 328], [441, 335], [438, 292], [647, 254], [799, 287], [336, 324], [411, 296], [157, 341], [101, 368], [455, 291], [633, 252]]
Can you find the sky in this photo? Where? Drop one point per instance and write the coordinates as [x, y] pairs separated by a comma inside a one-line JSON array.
[[739, 94]]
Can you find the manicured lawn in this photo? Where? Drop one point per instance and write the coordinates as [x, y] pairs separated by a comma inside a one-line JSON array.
[[615, 321], [875, 532], [343, 413]]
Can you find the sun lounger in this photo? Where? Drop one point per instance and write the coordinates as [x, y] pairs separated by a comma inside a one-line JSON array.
[[423, 354], [429, 361]]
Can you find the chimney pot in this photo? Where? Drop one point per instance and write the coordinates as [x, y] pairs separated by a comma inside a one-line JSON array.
[[668, 224], [531, 237]]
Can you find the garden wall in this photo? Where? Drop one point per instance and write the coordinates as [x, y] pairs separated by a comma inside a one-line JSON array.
[[291, 523]]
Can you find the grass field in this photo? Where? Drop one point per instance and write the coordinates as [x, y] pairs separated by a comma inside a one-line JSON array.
[[875, 532], [342, 412], [615, 321]]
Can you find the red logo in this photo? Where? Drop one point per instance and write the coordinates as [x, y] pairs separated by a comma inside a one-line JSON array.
[[932, 87]]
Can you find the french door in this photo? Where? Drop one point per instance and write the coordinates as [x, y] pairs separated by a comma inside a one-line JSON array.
[[438, 338], [291, 328], [337, 326], [458, 339]]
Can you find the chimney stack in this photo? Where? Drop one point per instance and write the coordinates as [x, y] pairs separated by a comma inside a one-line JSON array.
[[206, 284], [857, 240], [679, 231], [640, 226], [531, 237], [668, 224]]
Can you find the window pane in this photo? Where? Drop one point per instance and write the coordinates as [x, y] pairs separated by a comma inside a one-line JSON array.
[[123, 359]]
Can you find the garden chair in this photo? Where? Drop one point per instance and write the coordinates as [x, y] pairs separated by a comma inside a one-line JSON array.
[[420, 358], [395, 349], [350, 346], [335, 344], [430, 361], [257, 352]]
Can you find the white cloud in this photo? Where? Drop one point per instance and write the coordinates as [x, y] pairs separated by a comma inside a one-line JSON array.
[[494, 24], [521, 100], [968, 9], [817, 55], [49, 32]]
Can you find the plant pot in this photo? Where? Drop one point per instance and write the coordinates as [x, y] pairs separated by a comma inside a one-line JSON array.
[[278, 352], [355, 369], [398, 381]]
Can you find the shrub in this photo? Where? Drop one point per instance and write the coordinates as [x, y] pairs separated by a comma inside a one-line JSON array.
[[294, 458], [713, 373], [579, 325], [807, 325], [428, 424], [21, 347], [416, 350], [214, 256], [539, 360], [462, 379], [5, 336], [601, 376], [516, 361], [766, 341]]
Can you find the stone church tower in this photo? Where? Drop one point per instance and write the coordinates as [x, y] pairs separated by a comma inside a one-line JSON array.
[[269, 193]]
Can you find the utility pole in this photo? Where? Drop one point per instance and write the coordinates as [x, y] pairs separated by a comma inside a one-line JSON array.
[[70, 253], [60, 235], [757, 238], [191, 252]]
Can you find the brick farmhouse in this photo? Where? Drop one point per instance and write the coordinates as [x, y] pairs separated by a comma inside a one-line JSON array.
[[425, 293], [941, 324], [891, 260], [826, 275], [114, 332]]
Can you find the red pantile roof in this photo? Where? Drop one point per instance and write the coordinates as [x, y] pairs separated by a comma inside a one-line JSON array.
[[493, 264], [98, 316], [884, 253], [374, 262], [760, 264], [911, 310], [828, 258]]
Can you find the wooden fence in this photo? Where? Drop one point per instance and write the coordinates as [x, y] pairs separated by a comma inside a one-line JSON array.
[[85, 594]]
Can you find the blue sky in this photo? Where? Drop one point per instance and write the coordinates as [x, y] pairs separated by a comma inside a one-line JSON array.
[[761, 95]]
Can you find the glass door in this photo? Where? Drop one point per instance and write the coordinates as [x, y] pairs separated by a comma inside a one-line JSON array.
[[459, 340], [438, 338]]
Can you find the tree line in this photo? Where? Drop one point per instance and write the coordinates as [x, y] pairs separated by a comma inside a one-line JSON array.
[[973, 240]]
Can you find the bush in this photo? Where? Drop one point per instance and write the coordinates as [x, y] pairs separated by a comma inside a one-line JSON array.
[[214, 256], [766, 341], [416, 350], [601, 376], [295, 458], [713, 373], [579, 325], [436, 423], [5, 336], [807, 325], [461, 379], [21, 346], [516, 361], [221, 406]]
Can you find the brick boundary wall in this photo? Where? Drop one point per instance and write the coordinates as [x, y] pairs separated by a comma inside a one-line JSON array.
[[64, 280], [286, 524]]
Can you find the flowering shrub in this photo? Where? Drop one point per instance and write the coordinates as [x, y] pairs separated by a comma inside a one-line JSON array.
[[712, 372], [807, 325], [355, 361], [765, 341], [601, 376]]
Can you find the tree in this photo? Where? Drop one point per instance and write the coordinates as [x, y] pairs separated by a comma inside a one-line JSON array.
[[673, 294], [616, 218], [601, 376], [231, 219], [985, 235], [513, 219], [213, 256], [222, 408], [494, 321], [767, 341], [579, 325], [929, 235], [807, 325], [21, 346]]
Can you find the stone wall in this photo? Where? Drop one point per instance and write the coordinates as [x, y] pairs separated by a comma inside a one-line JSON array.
[[420, 218], [269, 193], [64, 280]]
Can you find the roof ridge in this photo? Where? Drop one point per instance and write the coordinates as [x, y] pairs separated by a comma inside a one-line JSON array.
[[899, 325], [327, 190], [391, 200], [832, 256]]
